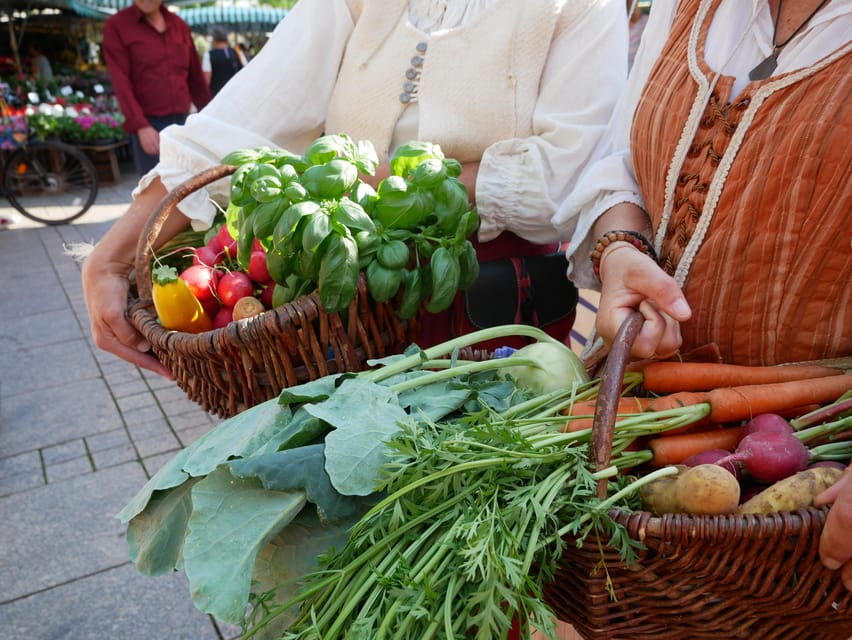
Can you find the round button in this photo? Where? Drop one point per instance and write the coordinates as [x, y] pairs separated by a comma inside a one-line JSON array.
[[421, 47], [411, 74], [417, 61], [405, 98], [409, 87]]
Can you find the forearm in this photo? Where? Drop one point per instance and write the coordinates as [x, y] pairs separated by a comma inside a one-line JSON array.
[[623, 216], [118, 246]]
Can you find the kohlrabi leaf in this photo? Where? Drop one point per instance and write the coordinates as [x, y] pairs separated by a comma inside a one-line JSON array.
[[169, 475], [264, 424], [301, 468], [303, 429], [232, 520], [365, 416], [435, 401], [311, 391], [237, 437], [155, 536], [291, 555]]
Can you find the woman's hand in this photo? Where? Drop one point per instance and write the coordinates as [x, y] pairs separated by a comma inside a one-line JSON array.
[[105, 288], [632, 280], [835, 543], [106, 283]]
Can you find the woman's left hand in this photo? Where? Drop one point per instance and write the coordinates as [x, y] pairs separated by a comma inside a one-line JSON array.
[[835, 544], [632, 280]]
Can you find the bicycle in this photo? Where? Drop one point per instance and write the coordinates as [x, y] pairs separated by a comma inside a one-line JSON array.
[[48, 181]]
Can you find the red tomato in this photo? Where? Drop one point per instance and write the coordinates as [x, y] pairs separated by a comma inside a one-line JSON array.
[[257, 269], [223, 317], [202, 281], [233, 286], [229, 244], [208, 255]]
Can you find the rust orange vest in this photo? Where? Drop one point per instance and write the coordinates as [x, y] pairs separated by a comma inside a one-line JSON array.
[[751, 199]]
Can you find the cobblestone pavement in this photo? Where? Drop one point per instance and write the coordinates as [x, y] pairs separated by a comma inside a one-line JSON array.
[[80, 432]]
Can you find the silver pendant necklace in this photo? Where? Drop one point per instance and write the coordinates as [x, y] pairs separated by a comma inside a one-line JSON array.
[[767, 66]]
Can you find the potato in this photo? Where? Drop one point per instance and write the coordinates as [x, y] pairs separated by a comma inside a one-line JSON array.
[[794, 492], [707, 489], [658, 496]]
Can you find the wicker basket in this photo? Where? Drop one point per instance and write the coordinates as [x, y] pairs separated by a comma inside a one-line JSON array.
[[238, 366], [749, 576]]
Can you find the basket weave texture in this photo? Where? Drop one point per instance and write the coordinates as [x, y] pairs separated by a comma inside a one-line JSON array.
[[732, 576], [233, 368]]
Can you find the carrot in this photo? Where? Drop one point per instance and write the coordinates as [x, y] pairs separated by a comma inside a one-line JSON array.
[[582, 413], [729, 404], [668, 377], [677, 400], [733, 404], [674, 449]]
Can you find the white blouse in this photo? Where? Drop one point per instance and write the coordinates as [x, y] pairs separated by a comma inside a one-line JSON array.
[[286, 86], [739, 37]]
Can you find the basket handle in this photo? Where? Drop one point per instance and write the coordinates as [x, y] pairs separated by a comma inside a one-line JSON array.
[[145, 245], [606, 407]]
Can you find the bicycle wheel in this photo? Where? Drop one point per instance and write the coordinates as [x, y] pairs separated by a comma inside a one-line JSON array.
[[50, 182]]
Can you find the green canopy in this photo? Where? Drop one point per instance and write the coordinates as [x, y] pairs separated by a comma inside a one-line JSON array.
[[259, 17], [236, 16]]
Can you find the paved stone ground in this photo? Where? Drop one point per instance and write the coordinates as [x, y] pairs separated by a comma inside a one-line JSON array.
[[80, 433]]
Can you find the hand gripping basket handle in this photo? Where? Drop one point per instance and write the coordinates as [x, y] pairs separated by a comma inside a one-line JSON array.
[[145, 245], [606, 407]]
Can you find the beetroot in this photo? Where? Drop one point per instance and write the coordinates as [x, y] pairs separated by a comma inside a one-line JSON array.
[[769, 457], [713, 456], [768, 422]]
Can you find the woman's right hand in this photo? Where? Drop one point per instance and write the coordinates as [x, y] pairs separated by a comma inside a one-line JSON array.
[[631, 280], [105, 289], [105, 276]]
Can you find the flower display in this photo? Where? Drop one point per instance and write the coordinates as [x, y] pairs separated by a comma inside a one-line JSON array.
[[73, 116]]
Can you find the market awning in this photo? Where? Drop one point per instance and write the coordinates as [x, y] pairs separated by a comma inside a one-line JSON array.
[[242, 16], [257, 17]]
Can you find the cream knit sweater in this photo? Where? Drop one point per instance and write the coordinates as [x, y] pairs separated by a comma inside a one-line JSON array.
[[526, 88], [477, 83]]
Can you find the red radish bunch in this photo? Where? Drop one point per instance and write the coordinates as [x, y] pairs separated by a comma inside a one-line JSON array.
[[216, 279], [770, 450]]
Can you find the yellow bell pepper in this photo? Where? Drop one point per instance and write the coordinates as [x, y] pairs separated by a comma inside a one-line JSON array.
[[176, 306]]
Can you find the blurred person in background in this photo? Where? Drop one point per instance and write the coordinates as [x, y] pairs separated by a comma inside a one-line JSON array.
[[221, 62], [156, 74]]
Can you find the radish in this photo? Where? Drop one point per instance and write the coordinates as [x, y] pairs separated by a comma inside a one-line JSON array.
[[207, 255], [768, 422], [202, 281], [713, 456], [233, 286], [768, 456], [257, 269], [223, 317], [229, 243]]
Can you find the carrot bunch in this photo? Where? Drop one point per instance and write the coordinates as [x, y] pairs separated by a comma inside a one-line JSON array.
[[731, 394]]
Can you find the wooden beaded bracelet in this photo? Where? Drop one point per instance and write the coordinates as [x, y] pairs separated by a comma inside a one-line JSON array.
[[636, 239]]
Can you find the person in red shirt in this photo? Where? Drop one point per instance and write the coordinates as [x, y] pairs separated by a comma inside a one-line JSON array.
[[156, 74]]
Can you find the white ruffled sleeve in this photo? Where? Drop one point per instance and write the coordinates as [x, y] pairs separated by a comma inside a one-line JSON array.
[[277, 100], [609, 179], [521, 181]]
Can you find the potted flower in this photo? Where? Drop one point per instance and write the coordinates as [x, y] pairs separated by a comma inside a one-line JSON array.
[[101, 128]]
